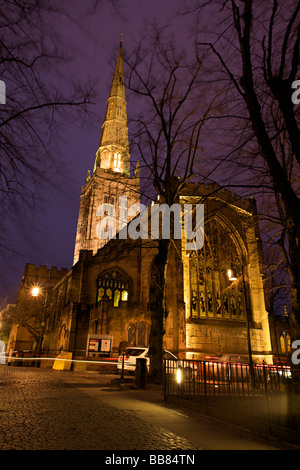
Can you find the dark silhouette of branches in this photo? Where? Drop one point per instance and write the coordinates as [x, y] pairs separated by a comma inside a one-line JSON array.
[[38, 102], [252, 51], [166, 136]]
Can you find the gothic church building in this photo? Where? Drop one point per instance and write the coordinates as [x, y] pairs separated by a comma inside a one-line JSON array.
[[101, 303]]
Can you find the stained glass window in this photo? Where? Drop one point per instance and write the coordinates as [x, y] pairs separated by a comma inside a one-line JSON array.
[[116, 298], [100, 293], [285, 342], [109, 293], [114, 286], [213, 296]]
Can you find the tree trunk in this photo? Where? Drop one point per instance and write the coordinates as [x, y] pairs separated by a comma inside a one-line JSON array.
[[281, 181], [158, 310], [294, 270]]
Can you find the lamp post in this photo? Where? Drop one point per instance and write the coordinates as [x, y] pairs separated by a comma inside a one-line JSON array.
[[35, 292], [233, 277]]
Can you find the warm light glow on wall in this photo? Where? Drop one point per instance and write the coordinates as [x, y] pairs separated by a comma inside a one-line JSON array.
[[231, 275], [35, 291]]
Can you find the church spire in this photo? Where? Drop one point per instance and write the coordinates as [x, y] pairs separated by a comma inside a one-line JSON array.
[[111, 176], [113, 151]]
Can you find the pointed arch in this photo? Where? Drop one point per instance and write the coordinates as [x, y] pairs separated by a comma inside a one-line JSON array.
[[233, 233], [212, 295]]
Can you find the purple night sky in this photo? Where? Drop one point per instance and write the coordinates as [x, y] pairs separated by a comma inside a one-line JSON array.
[[92, 41]]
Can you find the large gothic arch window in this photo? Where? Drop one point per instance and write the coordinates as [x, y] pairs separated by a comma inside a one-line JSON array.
[[114, 286], [212, 295]]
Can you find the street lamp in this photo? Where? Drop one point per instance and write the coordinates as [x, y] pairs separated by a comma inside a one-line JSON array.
[[232, 276], [35, 292]]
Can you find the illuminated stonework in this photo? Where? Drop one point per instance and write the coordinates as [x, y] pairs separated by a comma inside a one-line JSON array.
[[111, 174], [216, 308], [106, 292]]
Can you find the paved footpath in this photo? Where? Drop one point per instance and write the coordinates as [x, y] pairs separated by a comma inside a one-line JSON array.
[[55, 410]]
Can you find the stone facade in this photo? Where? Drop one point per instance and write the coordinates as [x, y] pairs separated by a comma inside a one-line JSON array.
[[103, 188], [214, 331], [223, 329], [106, 292], [111, 176]]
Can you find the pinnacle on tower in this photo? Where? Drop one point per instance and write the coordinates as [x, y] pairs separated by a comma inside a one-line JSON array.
[[113, 151]]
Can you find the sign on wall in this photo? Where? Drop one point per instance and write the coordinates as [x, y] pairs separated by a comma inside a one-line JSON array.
[[99, 344]]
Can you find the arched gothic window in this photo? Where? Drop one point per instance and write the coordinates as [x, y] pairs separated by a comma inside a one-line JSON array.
[[138, 333], [212, 294], [114, 286]]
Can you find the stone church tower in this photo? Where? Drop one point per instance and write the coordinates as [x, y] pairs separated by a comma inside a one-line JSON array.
[[111, 175]]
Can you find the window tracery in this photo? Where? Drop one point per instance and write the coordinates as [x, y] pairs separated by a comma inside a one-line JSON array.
[[212, 295], [114, 286]]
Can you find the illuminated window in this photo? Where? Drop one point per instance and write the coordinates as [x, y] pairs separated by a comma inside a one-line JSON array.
[[117, 162], [285, 342], [125, 295], [213, 296], [116, 298], [114, 286]]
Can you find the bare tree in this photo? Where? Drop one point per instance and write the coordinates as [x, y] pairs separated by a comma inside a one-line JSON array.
[[27, 312], [167, 132]]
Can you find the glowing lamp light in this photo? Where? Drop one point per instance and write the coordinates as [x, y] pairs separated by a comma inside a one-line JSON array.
[[179, 376], [231, 275], [35, 291]]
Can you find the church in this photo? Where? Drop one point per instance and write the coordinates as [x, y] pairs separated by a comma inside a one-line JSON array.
[[101, 304]]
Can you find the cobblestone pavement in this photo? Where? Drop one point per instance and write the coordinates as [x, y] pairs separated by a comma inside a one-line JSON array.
[[41, 411]]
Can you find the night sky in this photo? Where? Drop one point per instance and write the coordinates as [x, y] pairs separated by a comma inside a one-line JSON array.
[[92, 41]]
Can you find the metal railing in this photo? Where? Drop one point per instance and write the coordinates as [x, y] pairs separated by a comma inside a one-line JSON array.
[[270, 394]]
